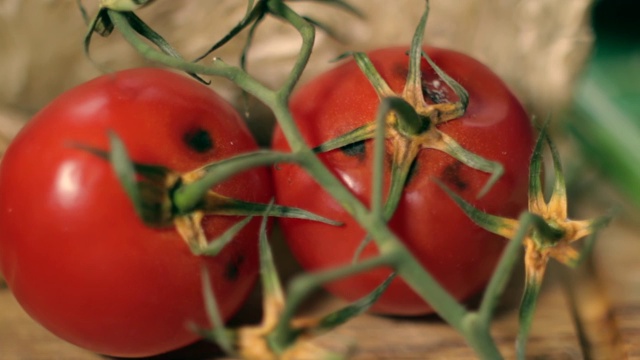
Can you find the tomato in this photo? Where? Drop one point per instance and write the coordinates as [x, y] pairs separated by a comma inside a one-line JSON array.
[[73, 251], [459, 254]]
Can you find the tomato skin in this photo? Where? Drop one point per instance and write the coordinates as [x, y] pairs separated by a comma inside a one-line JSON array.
[[72, 249], [459, 254]]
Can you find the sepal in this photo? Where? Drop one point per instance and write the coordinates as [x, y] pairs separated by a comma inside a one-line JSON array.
[[255, 342], [545, 231], [155, 193]]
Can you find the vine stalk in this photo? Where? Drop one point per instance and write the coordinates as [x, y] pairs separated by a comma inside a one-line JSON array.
[[473, 326]]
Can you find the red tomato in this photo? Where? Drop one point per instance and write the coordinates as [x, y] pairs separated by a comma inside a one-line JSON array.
[[73, 250], [458, 253]]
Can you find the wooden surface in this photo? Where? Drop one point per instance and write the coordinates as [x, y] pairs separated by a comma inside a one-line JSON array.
[[608, 312], [603, 301], [377, 337], [619, 265]]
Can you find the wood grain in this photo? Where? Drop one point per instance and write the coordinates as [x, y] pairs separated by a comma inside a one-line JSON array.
[[618, 264], [376, 337], [554, 335]]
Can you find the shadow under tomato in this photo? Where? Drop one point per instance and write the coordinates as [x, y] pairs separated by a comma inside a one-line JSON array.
[[509, 302], [201, 350]]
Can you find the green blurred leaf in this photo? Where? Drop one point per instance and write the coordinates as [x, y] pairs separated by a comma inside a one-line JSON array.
[[605, 118], [341, 316]]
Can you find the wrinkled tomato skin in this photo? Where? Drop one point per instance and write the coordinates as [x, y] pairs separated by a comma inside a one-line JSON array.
[[459, 254], [72, 249]]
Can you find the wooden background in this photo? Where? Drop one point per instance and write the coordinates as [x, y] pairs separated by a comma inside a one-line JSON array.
[[605, 308]]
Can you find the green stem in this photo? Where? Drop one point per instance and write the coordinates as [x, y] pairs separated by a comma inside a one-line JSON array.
[[419, 279], [307, 32], [527, 310], [375, 79], [268, 273], [400, 169], [414, 76], [253, 15], [463, 95], [377, 181], [214, 246], [535, 170], [503, 272], [429, 289], [147, 32], [303, 285], [408, 123], [388, 243], [187, 196], [472, 160], [220, 334], [479, 337], [216, 68]]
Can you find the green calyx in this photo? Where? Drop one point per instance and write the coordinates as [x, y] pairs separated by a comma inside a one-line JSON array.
[[256, 12], [545, 231], [280, 335], [157, 194], [187, 197], [410, 123], [102, 24], [148, 186]]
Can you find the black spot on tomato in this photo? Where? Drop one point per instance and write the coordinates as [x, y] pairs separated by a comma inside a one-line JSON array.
[[435, 91], [356, 149], [451, 176], [232, 269], [400, 70], [198, 140]]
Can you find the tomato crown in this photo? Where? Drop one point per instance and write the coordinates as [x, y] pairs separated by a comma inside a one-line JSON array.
[[155, 192], [411, 122]]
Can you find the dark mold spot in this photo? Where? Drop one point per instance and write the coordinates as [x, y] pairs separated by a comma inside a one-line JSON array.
[[198, 140], [437, 94], [401, 70], [451, 176], [356, 149], [232, 269]]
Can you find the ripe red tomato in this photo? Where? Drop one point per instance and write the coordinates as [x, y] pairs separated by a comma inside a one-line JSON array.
[[459, 254], [73, 251]]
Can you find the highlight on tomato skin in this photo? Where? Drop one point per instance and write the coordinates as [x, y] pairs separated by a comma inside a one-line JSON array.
[[459, 254], [75, 254]]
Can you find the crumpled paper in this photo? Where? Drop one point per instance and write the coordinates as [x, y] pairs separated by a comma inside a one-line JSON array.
[[537, 46]]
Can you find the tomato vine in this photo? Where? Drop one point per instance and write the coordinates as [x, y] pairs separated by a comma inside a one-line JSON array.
[[393, 252], [544, 228], [473, 325]]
